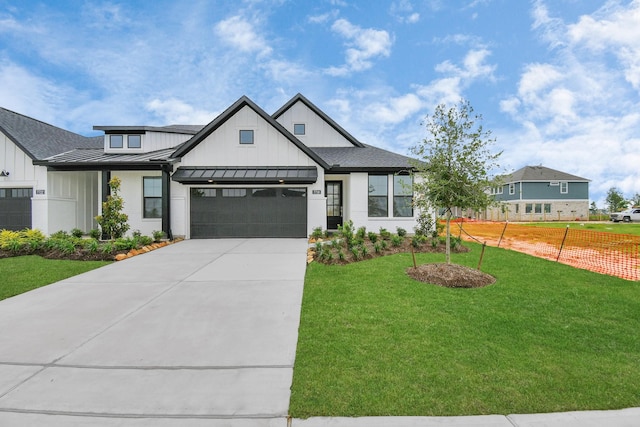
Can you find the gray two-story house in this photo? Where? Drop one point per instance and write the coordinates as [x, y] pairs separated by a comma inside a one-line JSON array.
[[538, 193]]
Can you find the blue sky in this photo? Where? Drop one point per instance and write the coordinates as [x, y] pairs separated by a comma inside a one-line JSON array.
[[557, 82]]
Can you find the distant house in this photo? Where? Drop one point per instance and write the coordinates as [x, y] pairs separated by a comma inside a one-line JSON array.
[[538, 193], [245, 174]]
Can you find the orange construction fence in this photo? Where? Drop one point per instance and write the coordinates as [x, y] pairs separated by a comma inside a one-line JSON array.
[[606, 253]]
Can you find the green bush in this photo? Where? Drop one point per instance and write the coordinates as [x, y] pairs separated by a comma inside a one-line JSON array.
[[157, 235], [373, 237], [384, 233], [76, 232], [418, 240], [361, 233], [95, 233], [401, 231], [317, 233], [396, 240]]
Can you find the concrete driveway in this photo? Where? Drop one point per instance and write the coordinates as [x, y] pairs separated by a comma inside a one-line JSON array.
[[202, 332]]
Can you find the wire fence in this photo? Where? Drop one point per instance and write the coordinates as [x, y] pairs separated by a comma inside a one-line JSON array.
[[601, 252]]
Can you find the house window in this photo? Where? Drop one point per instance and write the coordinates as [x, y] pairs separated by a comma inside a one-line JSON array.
[[538, 208], [564, 187], [402, 196], [299, 129], [512, 189], [547, 208], [517, 208], [134, 141], [246, 136], [115, 141], [528, 208], [499, 190], [378, 196], [152, 197]]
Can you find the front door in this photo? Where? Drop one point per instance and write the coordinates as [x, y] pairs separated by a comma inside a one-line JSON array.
[[333, 190]]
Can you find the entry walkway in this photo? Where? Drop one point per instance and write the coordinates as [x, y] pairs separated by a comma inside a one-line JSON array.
[[199, 333]]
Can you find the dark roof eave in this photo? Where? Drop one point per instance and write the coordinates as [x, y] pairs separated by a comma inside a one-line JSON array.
[[391, 169], [86, 166]]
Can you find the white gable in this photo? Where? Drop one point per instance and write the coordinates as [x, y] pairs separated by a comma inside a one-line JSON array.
[[270, 147], [318, 133], [16, 162]]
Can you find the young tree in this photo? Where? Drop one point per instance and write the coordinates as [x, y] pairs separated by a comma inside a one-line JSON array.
[[615, 200], [454, 162], [635, 200], [113, 222]]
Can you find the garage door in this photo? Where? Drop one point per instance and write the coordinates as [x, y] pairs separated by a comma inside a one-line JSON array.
[[15, 208], [248, 212]]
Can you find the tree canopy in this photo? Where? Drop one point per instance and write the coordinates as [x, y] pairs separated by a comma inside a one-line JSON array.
[[454, 162], [615, 200]]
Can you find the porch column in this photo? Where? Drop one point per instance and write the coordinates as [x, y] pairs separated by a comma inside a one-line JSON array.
[[166, 201]]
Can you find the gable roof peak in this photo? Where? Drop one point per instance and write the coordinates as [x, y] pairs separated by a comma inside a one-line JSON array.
[[300, 98]]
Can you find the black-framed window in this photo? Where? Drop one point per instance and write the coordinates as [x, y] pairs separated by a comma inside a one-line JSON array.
[[115, 141], [299, 129], [152, 197], [402, 196], [134, 141], [246, 136], [378, 196]]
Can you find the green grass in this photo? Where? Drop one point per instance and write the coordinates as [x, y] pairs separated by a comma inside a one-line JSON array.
[[24, 273], [544, 338], [608, 227]]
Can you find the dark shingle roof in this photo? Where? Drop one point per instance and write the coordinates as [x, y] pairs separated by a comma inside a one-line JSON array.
[[365, 158], [40, 140], [541, 173]]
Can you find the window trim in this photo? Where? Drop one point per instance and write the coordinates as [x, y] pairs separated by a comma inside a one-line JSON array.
[[564, 187], [242, 132], [401, 195], [145, 197], [512, 189], [111, 138], [139, 141], [304, 129], [378, 196]]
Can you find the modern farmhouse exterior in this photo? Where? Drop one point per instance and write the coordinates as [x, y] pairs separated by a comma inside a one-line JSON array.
[[538, 193], [245, 174]]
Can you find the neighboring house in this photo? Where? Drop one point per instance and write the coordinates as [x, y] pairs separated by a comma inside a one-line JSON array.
[[245, 174], [538, 193]]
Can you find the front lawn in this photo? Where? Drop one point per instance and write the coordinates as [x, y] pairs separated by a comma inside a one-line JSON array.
[[24, 273], [544, 338]]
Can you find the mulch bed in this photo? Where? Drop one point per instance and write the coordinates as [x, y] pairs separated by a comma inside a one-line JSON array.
[[451, 275]]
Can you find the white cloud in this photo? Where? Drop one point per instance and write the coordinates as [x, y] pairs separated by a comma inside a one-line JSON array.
[[363, 45], [403, 11], [239, 33], [174, 111], [449, 89], [395, 110]]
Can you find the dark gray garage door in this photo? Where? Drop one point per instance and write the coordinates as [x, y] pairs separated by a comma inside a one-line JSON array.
[[248, 212], [15, 208]]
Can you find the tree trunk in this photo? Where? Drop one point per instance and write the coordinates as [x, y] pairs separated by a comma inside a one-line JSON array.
[[448, 238]]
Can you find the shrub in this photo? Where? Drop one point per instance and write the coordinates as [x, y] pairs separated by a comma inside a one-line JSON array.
[[418, 240], [377, 247], [383, 244], [317, 233], [112, 221], [373, 237], [384, 233], [124, 244], [95, 234], [76, 232], [341, 255], [136, 234], [396, 240], [34, 238], [361, 233], [355, 252], [364, 251], [346, 231], [401, 231], [425, 224], [91, 245], [61, 234], [157, 235]]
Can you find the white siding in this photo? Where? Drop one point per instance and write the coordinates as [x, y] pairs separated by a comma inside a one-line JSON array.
[[270, 147], [318, 132], [72, 201], [17, 163], [151, 141], [131, 192]]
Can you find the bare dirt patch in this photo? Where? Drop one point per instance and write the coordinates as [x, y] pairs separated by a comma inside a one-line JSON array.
[[451, 275]]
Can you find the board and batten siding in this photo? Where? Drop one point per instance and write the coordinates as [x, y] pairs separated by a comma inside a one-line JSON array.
[[223, 148], [318, 132]]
